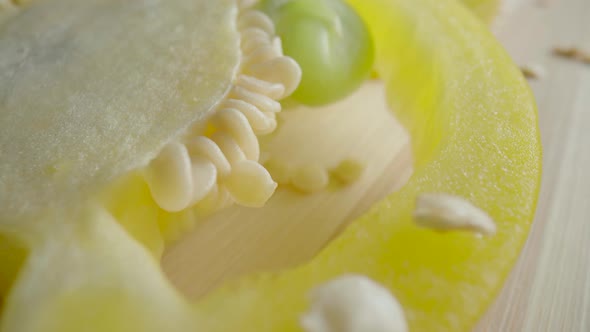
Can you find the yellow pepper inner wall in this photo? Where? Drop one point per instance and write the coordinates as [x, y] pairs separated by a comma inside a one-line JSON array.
[[473, 123]]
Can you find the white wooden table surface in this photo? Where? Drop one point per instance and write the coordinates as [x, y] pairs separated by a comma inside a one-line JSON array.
[[549, 290]]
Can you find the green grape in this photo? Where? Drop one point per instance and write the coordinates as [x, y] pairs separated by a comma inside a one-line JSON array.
[[329, 41]]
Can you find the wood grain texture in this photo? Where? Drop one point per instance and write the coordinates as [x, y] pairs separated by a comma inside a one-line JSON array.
[[549, 290]]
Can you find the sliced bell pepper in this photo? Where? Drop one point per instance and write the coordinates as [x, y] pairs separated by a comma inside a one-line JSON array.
[[474, 133], [473, 123]]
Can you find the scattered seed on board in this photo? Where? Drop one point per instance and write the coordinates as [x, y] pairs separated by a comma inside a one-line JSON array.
[[444, 212], [533, 71], [572, 53]]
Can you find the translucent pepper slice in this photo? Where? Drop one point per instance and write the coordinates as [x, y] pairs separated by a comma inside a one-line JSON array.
[[473, 122], [84, 100]]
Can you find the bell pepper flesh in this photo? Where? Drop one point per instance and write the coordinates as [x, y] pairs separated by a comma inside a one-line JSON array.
[[473, 123], [474, 132]]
